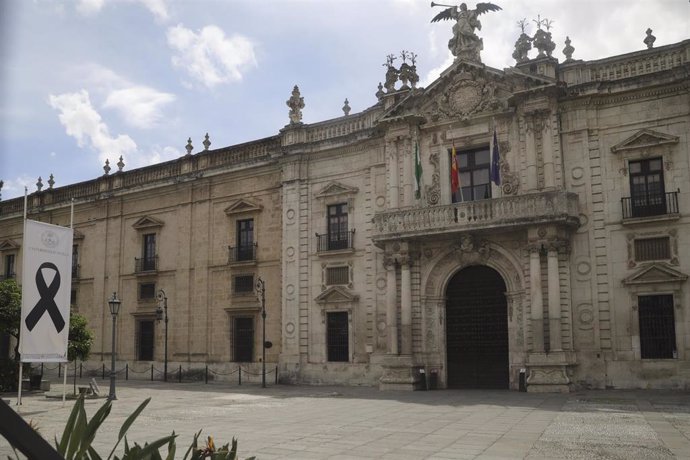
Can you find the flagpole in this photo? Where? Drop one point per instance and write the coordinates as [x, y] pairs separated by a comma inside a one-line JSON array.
[[21, 367], [64, 377]]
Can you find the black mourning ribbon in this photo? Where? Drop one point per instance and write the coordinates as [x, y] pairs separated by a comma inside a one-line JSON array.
[[47, 302]]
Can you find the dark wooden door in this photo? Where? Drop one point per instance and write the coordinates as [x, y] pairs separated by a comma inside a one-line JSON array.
[[477, 329]]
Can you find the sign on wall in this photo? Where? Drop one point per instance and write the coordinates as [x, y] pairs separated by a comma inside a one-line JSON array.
[[46, 289]]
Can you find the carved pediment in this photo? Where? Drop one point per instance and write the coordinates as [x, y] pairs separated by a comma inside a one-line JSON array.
[[336, 294], [336, 188], [241, 206], [8, 245], [655, 274], [645, 138], [147, 222]]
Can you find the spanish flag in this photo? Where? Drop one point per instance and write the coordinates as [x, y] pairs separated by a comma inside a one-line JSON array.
[[454, 172]]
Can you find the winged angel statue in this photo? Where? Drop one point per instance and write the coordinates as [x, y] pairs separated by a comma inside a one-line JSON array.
[[465, 44]]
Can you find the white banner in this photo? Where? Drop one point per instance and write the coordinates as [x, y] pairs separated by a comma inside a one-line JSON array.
[[46, 290]]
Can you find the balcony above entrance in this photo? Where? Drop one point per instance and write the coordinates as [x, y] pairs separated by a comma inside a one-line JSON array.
[[553, 207]]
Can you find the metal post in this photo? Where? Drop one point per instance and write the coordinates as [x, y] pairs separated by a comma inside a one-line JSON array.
[[127, 371], [114, 310], [163, 314], [179, 375], [206, 375], [261, 293]]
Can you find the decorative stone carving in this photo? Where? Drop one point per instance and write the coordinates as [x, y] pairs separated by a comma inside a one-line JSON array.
[[472, 250], [106, 167], [523, 44], [471, 93], [379, 94], [542, 38], [296, 104], [207, 142], [391, 74], [433, 191], [465, 44], [120, 164], [408, 72], [346, 107], [51, 182], [649, 39], [568, 50], [39, 184], [510, 183], [189, 147]]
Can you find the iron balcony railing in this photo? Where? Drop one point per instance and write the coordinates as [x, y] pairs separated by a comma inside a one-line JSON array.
[[242, 253], [334, 241], [145, 264], [657, 204]]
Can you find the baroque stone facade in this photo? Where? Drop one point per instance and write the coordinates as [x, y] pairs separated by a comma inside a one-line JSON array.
[[569, 272]]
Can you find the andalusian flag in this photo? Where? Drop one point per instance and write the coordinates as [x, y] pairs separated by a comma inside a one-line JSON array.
[[417, 171]]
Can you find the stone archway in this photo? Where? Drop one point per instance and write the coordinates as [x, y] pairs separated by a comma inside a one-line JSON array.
[[477, 329]]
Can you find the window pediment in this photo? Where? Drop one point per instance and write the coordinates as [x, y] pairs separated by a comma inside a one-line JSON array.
[[147, 222], [242, 206], [336, 294], [644, 139], [657, 273], [336, 189], [8, 245]]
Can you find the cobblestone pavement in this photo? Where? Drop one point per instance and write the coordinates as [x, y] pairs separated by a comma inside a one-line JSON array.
[[314, 422]]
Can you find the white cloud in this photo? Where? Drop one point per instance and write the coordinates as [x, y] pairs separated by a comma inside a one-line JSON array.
[[434, 73], [209, 56], [139, 106], [84, 123], [160, 154], [158, 8], [15, 187]]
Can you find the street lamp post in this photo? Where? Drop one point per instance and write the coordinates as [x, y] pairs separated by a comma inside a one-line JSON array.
[[162, 314], [261, 294], [114, 304]]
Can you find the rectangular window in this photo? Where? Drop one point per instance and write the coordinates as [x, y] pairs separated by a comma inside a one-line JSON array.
[[147, 291], [473, 168], [149, 252], [647, 194], [75, 261], [145, 339], [244, 284], [9, 266], [243, 340], [652, 249], [337, 275], [337, 336], [657, 327], [73, 298], [245, 239], [337, 227]]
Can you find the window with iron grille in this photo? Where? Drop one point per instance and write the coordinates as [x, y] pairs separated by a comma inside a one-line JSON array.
[[145, 339], [657, 327], [149, 252], [337, 275], [473, 171], [244, 284], [338, 336], [243, 340], [647, 192], [337, 226], [147, 291], [652, 249], [9, 266]]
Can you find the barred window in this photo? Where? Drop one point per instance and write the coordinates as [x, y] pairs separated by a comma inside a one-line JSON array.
[[337, 275], [652, 249], [338, 336], [147, 291], [145, 340], [244, 284], [243, 340], [657, 327]]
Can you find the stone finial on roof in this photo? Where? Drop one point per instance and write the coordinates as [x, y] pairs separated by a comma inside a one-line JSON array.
[[296, 104], [523, 44], [568, 50], [106, 168], [1, 184], [51, 182], [189, 147], [379, 94], [391, 74], [649, 39], [542, 38], [120, 164], [207, 142], [346, 107], [39, 184]]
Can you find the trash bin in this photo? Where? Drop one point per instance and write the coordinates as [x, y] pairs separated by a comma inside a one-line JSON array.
[[421, 382], [35, 382], [522, 382], [433, 379]]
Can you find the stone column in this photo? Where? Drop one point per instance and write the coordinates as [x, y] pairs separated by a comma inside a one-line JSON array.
[[537, 307], [407, 172], [547, 149], [393, 175], [530, 154], [406, 306], [391, 306], [554, 290]]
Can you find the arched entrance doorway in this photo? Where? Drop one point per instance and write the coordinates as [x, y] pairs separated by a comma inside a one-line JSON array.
[[477, 329]]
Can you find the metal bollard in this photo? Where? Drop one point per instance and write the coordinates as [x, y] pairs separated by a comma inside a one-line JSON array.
[[206, 375], [127, 371], [41, 368], [81, 366], [179, 375], [103, 372], [59, 370], [240, 375], [152, 372], [276, 374]]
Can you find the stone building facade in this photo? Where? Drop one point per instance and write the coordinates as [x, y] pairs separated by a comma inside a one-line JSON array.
[[569, 272]]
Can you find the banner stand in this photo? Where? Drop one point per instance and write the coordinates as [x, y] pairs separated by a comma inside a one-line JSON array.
[[19, 394]]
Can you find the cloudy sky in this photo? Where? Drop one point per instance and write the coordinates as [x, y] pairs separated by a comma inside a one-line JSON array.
[[82, 81]]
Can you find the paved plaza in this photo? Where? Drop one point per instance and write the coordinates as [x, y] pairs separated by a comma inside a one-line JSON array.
[[315, 422]]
